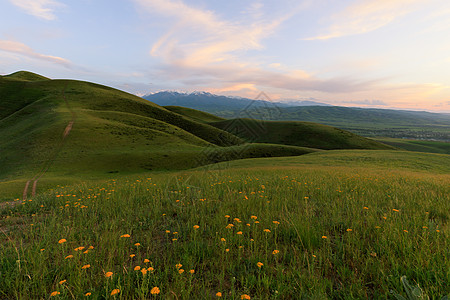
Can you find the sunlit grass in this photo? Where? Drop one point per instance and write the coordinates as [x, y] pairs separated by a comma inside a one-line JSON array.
[[324, 232]]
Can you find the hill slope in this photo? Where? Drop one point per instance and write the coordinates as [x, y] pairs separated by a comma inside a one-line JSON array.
[[303, 134]]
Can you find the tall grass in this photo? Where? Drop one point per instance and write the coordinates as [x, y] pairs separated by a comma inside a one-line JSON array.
[[268, 233]]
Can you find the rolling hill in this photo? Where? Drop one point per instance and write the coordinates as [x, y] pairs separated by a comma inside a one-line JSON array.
[[111, 131], [368, 122], [75, 129]]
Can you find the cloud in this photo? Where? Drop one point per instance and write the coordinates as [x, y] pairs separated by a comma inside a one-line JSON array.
[[200, 48], [367, 15], [43, 9], [22, 49]]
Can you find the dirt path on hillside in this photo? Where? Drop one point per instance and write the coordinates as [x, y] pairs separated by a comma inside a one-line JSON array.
[[55, 153]]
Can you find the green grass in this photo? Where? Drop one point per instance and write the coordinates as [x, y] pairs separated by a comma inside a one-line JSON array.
[[194, 114], [303, 134], [398, 216], [417, 145]]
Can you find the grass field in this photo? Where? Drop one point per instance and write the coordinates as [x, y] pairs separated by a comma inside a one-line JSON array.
[[417, 145], [336, 224]]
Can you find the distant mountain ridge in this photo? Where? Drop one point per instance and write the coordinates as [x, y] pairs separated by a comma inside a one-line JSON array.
[[213, 103]]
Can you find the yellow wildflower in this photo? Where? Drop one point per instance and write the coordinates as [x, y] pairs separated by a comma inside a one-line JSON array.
[[115, 291], [259, 264], [62, 241], [54, 293], [125, 235], [108, 274], [137, 268], [85, 266], [155, 291]]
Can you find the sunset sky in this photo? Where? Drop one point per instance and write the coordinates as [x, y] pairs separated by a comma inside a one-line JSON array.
[[366, 53]]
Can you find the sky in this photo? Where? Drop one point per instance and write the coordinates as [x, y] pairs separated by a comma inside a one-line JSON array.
[[364, 53]]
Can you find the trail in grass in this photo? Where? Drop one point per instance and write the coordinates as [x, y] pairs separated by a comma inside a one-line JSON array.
[[52, 158]]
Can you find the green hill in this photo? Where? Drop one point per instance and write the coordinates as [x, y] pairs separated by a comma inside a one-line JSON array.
[[302, 134], [194, 114], [111, 131]]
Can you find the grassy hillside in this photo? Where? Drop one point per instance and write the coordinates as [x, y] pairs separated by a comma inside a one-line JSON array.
[[303, 134], [344, 224], [194, 114], [112, 130], [417, 145], [26, 76]]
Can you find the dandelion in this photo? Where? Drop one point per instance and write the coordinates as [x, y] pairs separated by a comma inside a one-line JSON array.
[[259, 264], [223, 240], [229, 226], [175, 232], [196, 227], [365, 207], [137, 244], [62, 241], [132, 255], [173, 240], [256, 222], [218, 294], [324, 236], [155, 291], [405, 230], [114, 292], [146, 261], [396, 210], [42, 249], [54, 293], [91, 247], [137, 268], [266, 230], [150, 269], [314, 256], [125, 235], [88, 294], [437, 230], [108, 274], [349, 229], [227, 216], [425, 227], [178, 266], [227, 250], [239, 232], [181, 271], [86, 267], [86, 252], [167, 231], [68, 256], [276, 222], [275, 252], [245, 297], [62, 281], [192, 271], [79, 248], [254, 217]]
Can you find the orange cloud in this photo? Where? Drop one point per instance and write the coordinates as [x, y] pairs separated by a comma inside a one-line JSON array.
[[22, 49], [43, 9]]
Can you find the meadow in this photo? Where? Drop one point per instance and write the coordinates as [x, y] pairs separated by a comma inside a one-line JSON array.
[[335, 225]]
